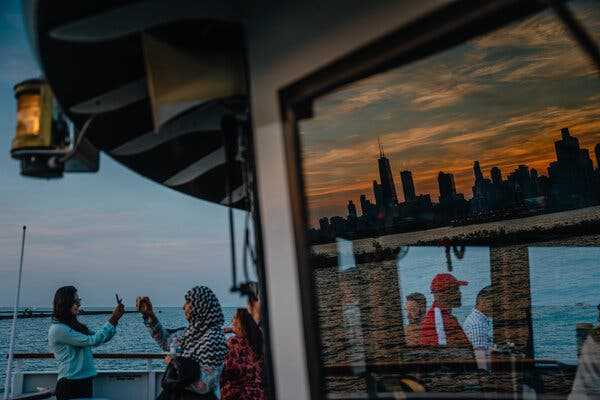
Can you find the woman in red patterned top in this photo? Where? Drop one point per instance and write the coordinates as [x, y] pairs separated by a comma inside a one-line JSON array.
[[242, 377]]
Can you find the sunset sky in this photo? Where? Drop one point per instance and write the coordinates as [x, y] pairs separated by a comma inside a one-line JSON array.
[[500, 99], [108, 232]]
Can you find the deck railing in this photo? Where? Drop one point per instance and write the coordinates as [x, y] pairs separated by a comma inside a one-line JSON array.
[[149, 357], [19, 358]]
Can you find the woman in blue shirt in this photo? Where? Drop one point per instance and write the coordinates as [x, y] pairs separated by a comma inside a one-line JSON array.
[[72, 342]]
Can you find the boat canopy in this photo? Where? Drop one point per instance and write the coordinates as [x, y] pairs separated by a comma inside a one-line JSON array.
[[154, 83]]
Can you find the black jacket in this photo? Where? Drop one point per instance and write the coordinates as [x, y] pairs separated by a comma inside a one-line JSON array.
[[181, 373]]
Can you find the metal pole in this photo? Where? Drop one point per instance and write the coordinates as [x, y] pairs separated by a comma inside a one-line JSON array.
[[8, 382]]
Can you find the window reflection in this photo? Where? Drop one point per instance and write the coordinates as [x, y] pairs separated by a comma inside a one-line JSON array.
[[388, 313], [564, 293], [431, 190]]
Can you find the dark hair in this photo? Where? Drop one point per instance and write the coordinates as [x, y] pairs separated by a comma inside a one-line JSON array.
[[64, 298], [251, 330], [252, 292], [418, 297], [484, 293]]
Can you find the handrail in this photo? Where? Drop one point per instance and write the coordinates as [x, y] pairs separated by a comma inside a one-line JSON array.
[[403, 367], [101, 356]]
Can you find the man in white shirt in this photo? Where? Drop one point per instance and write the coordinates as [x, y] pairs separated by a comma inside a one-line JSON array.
[[586, 385], [478, 327]]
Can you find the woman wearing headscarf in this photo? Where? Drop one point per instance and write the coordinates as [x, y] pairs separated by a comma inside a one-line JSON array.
[[202, 342], [72, 342], [242, 377]]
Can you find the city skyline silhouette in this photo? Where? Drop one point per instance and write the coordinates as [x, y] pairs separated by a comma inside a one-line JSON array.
[[571, 181], [500, 99]]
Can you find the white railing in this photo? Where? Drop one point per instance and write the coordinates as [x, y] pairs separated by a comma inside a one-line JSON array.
[[114, 384]]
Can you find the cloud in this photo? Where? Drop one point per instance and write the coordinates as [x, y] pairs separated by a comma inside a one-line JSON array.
[[432, 94], [538, 48], [538, 31], [423, 89], [364, 98], [369, 147], [486, 69]]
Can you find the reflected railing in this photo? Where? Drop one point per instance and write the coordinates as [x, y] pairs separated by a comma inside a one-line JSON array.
[[510, 378]]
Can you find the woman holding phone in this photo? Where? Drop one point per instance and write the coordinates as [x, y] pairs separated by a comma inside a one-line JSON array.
[[72, 342]]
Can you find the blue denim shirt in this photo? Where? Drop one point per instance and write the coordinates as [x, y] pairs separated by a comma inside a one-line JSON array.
[[73, 350]]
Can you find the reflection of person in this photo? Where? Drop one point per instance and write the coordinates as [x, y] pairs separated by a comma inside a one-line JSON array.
[[72, 342], [587, 380], [440, 327], [242, 377], [478, 327], [416, 307], [254, 305], [202, 340]]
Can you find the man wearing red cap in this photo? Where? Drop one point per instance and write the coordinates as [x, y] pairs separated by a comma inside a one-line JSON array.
[[440, 327]]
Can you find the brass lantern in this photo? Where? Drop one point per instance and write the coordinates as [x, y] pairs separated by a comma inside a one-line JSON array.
[[34, 117]]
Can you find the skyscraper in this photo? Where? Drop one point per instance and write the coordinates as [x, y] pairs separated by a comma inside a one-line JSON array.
[[378, 193], [351, 210], [324, 224], [477, 172], [388, 188], [481, 189], [498, 193], [572, 173], [364, 204], [447, 187], [523, 179], [496, 176], [597, 152], [408, 186]]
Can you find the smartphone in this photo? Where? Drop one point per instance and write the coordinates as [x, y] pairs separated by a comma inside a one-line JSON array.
[[119, 301]]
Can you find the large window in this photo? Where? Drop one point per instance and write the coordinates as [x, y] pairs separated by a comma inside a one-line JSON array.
[[452, 210]]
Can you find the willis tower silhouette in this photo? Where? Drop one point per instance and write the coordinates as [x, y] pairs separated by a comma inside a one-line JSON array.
[[389, 197]]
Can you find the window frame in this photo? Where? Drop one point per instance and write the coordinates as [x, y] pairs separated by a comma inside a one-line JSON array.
[[435, 32]]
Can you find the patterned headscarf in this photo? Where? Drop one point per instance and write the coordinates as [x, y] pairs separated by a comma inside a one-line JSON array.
[[203, 340]]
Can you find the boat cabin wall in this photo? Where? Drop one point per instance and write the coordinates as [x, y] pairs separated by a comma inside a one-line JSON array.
[[286, 41]]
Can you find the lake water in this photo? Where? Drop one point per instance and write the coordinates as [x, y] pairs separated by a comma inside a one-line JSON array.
[[132, 337]]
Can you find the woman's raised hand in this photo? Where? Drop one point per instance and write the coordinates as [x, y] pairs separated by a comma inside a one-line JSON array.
[[117, 314], [144, 306]]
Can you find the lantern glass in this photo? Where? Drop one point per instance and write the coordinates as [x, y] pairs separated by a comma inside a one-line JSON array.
[[29, 114]]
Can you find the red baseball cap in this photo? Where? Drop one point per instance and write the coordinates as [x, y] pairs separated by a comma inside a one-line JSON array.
[[441, 282]]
